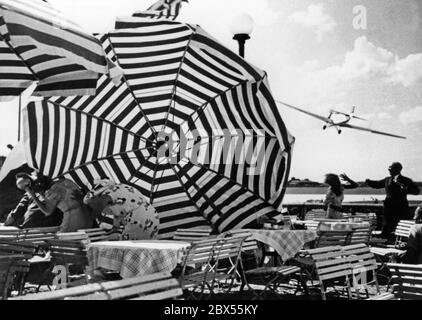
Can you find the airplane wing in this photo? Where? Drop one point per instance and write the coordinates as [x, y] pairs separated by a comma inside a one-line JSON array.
[[306, 112], [346, 125]]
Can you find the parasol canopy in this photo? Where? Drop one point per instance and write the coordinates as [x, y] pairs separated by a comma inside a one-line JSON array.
[[193, 126], [38, 44]]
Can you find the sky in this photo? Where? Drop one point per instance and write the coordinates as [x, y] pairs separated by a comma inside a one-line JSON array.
[[319, 55]]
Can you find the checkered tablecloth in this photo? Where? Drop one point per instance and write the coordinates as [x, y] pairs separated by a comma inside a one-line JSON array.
[[136, 258], [287, 243]]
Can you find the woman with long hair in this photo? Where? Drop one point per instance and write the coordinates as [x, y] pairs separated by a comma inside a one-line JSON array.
[[335, 194]]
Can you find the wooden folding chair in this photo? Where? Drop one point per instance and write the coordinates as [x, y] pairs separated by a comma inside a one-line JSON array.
[[363, 265], [157, 286], [197, 266], [387, 253], [406, 280], [270, 277], [228, 268], [70, 253], [330, 267], [407, 283], [402, 232], [28, 250]]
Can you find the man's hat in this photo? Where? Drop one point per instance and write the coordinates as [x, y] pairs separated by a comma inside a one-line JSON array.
[[396, 165]]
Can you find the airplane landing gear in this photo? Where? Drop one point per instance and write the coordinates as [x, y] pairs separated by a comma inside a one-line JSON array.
[[324, 127], [339, 131]]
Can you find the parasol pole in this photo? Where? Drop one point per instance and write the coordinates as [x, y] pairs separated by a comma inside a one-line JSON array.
[[19, 118]]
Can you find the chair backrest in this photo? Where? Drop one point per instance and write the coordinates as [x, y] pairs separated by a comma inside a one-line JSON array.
[[403, 228], [333, 238], [62, 293], [95, 234], [361, 235], [330, 263], [249, 245], [68, 252], [407, 281], [360, 257], [231, 245], [367, 217], [312, 224], [38, 235], [192, 234], [157, 286], [10, 234], [200, 252], [315, 214], [8, 246]]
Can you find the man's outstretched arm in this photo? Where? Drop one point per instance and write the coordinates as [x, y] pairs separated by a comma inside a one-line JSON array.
[[376, 184]]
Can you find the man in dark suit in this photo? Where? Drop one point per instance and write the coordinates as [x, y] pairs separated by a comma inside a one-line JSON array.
[[396, 206]]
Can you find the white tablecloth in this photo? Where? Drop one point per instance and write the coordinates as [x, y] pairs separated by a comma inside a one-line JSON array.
[[136, 258]]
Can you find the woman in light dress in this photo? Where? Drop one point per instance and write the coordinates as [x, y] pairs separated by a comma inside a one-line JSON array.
[[128, 207], [335, 194]]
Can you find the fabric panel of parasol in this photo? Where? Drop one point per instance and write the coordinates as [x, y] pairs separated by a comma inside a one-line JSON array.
[[37, 43], [183, 86]]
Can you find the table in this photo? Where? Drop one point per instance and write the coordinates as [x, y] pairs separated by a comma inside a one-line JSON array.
[[136, 258], [287, 243]]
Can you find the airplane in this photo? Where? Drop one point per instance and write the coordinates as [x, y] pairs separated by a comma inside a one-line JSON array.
[[330, 123]]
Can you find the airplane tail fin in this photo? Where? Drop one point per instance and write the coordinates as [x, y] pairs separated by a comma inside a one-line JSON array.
[[352, 114]]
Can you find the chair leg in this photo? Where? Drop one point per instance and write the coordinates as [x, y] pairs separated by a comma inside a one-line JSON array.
[[322, 290]]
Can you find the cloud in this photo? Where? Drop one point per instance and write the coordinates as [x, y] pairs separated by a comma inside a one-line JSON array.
[[368, 62], [407, 71], [315, 17], [411, 116]]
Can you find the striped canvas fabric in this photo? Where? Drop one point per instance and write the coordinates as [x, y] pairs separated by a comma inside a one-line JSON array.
[[168, 9], [38, 44], [178, 129]]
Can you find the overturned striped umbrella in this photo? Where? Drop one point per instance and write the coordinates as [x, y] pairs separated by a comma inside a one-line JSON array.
[[193, 126], [38, 44]]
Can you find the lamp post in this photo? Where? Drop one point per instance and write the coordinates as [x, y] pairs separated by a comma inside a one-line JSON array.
[[241, 28]]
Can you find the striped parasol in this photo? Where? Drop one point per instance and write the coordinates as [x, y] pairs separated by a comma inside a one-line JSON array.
[[37, 43], [194, 127]]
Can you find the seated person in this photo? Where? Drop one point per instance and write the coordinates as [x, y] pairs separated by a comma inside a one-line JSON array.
[[27, 214], [65, 195], [413, 254]]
